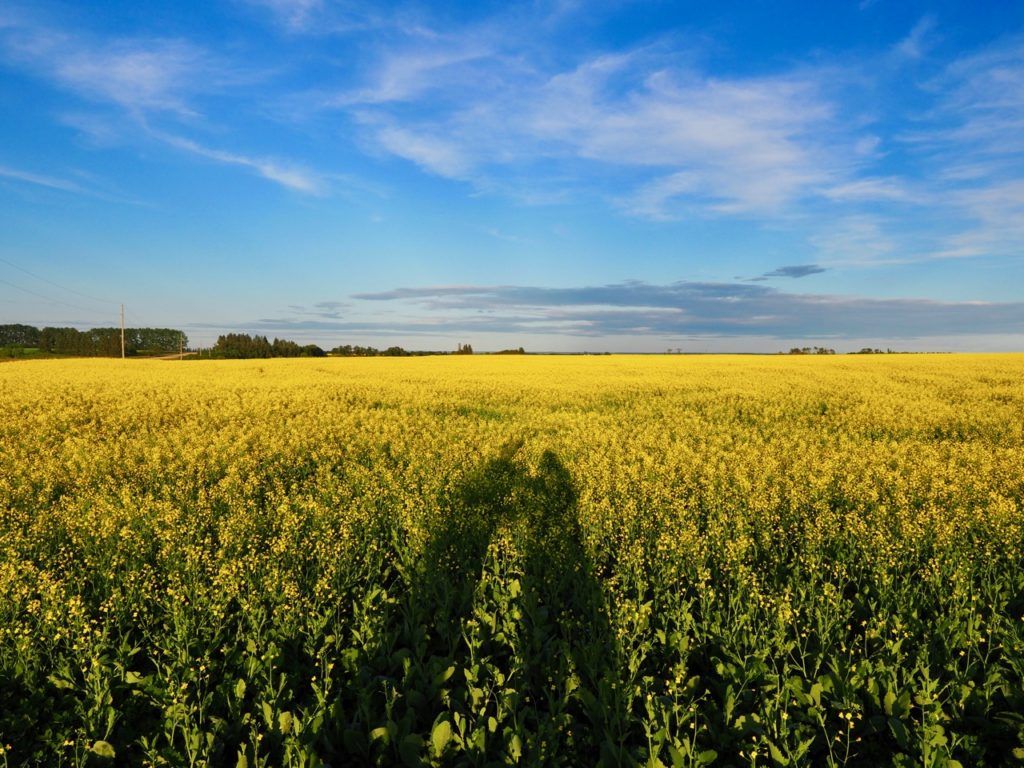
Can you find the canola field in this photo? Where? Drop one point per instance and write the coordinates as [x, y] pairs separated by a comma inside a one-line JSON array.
[[485, 561]]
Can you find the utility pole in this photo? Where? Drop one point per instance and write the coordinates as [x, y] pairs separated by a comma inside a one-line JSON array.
[[181, 347], [122, 331]]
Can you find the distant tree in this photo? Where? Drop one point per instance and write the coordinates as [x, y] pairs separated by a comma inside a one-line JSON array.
[[17, 335], [241, 346], [284, 348], [106, 342], [154, 340], [812, 351], [348, 350], [464, 349]]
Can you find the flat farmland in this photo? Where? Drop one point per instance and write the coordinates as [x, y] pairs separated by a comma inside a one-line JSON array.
[[470, 560]]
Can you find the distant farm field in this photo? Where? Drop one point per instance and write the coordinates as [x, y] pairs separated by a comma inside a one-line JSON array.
[[612, 561]]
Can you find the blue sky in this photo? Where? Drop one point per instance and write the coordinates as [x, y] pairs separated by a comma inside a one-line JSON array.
[[562, 175]]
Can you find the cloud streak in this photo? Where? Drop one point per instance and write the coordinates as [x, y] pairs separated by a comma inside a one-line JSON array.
[[692, 308], [62, 185], [728, 145], [40, 180], [794, 271], [150, 79], [293, 177], [137, 74]]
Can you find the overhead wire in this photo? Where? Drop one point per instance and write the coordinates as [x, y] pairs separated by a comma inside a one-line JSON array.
[[55, 284], [50, 299], [130, 315]]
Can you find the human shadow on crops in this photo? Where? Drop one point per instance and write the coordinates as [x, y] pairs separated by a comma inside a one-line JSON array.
[[500, 648]]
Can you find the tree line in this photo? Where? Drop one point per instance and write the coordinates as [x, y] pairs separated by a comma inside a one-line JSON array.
[[95, 342], [811, 351], [242, 346], [237, 346], [106, 342], [350, 350]]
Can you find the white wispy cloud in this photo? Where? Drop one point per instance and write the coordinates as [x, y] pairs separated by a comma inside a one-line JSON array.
[[437, 67], [328, 17], [86, 186], [919, 40], [858, 240], [980, 105], [674, 141], [288, 175], [148, 80], [734, 145], [740, 145], [650, 130], [888, 189], [973, 140], [40, 180], [294, 14], [150, 74], [428, 150], [996, 213]]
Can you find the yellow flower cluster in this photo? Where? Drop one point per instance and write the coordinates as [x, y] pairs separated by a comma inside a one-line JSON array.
[[220, 470], [130, 491]]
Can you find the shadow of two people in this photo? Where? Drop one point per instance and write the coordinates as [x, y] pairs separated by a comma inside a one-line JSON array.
[[502, 606]]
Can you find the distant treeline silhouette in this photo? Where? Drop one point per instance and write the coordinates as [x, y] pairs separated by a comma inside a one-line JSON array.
[[811, 351], [350, 350], [96, 342], [18, 340], [246, 346], [238, 346]]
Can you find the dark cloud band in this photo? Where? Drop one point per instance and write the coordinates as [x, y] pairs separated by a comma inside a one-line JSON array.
[[701, 308]]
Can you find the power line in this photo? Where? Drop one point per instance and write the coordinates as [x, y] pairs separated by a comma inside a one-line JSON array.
[[49, 299], [137, 321], [56, 285], [141, 321]]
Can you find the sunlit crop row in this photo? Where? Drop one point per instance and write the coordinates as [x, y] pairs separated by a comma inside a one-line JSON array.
[[476, 560]]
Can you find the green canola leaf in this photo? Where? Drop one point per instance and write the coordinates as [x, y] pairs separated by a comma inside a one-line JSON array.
[[104, 749], [888, 701], [777, 755], [440, 736], [284, 722]]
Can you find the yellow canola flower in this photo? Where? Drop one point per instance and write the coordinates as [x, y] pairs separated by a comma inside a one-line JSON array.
[[207, 482]]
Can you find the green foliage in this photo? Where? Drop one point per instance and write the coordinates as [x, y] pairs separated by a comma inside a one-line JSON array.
[[106, 342], [347, 350], [811, 351], [17, 335], [242, 346], [336, 599]]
